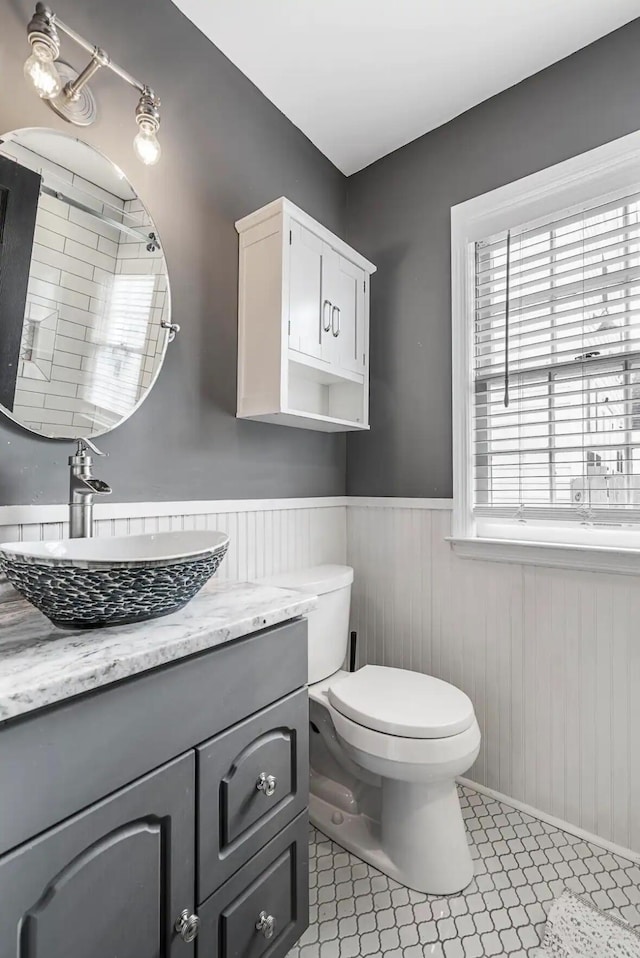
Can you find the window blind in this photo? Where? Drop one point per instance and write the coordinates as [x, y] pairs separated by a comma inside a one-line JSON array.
[[556, 369]]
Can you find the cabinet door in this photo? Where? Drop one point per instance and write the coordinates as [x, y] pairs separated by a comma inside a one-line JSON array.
[[305, 291], [343, 345], [264, 908], [110, 881], [252, 781]]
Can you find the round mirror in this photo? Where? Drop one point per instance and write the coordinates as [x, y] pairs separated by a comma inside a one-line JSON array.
[[84, 291]]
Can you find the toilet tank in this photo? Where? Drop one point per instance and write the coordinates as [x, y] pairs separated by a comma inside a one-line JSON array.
[[329, 622]]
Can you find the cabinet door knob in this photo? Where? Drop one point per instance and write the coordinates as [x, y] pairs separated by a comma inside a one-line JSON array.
[[266, 924], [326, 321], [267, 784], [335, 327], [187, 926]]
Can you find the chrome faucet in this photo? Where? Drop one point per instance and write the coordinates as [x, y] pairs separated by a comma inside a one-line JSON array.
[[82, 488]]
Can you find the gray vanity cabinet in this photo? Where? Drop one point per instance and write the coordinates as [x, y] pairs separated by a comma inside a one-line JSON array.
[[110, 881], [180, 790]]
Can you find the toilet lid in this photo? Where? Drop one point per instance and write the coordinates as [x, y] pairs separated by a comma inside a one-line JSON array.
[[400, 702]]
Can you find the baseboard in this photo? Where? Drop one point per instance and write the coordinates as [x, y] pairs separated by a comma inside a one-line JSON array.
[[552, 820]]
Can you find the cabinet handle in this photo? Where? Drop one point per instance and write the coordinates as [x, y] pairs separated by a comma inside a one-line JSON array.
[[326, 323], [266, 924], [335, 329], [187, 926], [267, 784]]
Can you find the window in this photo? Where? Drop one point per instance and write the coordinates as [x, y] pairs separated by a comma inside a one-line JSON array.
[[547, 356], [556, 417], [120, 343]]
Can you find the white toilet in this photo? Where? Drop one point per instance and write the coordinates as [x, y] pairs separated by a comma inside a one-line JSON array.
[[386, 747]]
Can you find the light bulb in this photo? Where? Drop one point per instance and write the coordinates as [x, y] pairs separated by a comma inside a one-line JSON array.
[[41, 71], [146, 145]]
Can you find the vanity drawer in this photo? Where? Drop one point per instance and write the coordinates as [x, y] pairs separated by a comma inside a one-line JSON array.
[[264, 908], [252, 781]]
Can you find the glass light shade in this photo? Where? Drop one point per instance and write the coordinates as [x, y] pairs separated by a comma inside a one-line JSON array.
[[146, 145], [40, 71]]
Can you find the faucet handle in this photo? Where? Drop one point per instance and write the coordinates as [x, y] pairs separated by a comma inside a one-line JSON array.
[[84, 445]]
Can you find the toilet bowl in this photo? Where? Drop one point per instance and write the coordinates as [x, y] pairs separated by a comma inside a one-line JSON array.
[[386, 746]]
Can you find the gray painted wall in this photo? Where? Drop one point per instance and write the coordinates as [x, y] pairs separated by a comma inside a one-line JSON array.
[[399, 217], [226, 152]]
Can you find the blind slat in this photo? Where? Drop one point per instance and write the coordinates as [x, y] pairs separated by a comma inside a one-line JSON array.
[[578, 447]]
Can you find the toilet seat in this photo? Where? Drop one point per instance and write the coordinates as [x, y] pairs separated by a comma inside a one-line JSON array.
[[404, 758], [401, 703]]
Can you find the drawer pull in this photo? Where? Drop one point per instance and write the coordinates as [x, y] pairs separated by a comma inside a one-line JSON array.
[[188, 926], [266, 924], [267, 784]]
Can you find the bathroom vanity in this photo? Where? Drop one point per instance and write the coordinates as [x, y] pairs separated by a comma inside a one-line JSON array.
[[154, 781]]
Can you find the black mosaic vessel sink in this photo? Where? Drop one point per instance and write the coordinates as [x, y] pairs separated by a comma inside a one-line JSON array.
[[93, 583]]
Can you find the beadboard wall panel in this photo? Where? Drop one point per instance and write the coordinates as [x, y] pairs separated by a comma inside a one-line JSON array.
[[263, 541], [550, 658]]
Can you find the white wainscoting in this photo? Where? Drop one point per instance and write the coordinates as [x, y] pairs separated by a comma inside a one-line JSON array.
[[550, 658], [267, 536]]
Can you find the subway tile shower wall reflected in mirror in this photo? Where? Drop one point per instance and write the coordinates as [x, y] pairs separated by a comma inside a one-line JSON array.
[[95, 313]]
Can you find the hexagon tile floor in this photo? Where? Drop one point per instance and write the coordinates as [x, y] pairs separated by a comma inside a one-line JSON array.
[[521, 865]]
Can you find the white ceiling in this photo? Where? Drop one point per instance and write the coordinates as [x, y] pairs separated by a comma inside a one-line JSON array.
[[363, 77]]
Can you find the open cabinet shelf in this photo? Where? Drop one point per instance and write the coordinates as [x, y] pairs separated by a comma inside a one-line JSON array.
[[321, 371], [302, 419]]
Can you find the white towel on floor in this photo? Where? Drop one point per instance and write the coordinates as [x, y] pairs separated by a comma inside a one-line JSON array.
[[575, 929]]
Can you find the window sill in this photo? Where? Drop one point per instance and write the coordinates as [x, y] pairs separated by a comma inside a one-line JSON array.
[[554, 555]]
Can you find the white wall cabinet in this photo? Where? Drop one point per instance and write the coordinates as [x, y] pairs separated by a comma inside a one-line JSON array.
[[303, 323]]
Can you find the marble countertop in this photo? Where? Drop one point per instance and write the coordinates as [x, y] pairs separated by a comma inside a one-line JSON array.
[[41, 665]]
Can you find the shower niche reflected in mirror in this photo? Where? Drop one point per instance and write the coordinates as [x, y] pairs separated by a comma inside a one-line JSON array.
[[84, 292]]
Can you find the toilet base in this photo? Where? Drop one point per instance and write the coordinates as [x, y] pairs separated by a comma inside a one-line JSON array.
[[422, 831], [420, 841], [355, 833]]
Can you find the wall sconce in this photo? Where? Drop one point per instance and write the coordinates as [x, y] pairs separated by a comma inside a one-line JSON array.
[[68, 93]]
